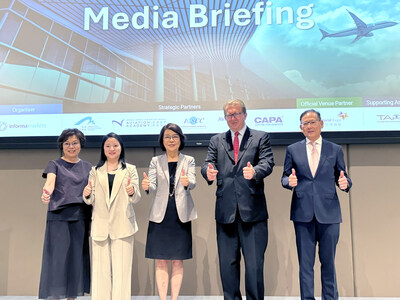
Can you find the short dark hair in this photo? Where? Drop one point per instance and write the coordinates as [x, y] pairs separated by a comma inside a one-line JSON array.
[[310, 111], [103, 157], [67, 133], [235, 102], [175, 128]]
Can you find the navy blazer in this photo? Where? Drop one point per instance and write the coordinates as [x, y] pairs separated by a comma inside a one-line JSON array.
[[315, 196], [233, 190]]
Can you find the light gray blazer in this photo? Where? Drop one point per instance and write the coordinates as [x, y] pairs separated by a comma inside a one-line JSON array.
[[159, 184], [113, 216]]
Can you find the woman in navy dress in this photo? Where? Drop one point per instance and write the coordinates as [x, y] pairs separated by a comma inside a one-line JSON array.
[[66, 263], [169, 236]]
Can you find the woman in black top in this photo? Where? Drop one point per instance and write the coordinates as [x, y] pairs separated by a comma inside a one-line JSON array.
[[65, 263]]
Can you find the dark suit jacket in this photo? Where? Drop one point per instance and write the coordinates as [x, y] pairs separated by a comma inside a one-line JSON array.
[[233, 190], [315, 195]]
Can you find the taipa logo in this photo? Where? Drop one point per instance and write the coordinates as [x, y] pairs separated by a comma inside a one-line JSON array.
[[389, 118]]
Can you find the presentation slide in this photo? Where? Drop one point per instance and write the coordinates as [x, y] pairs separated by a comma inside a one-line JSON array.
[[133, 66]]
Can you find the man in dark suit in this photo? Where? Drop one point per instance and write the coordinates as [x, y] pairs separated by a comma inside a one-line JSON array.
[[313, 167], [239, 160]]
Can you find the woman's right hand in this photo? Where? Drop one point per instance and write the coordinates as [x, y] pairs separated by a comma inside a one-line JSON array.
[[88, 189], [45, 196], [145, 182]]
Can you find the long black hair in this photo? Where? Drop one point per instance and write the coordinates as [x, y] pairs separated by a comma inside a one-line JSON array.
[[103, 157]]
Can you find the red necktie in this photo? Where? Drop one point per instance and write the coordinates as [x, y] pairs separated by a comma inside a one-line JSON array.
[[236, 146]]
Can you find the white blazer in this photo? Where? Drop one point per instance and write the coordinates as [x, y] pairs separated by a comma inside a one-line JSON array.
[[159, 184], [113, 215]]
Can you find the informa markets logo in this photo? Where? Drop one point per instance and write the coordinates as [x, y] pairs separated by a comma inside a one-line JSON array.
[[3, 126]]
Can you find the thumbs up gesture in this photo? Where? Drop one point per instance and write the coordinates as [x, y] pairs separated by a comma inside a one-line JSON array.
[[145, 182], [248, 171], [211, 172], [45, 196], [88, 189], [343, 183], [293, 178], [184, 179], [129, 188]]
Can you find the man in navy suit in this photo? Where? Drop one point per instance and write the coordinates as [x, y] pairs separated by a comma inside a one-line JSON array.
[[239, 160], [313, 167]]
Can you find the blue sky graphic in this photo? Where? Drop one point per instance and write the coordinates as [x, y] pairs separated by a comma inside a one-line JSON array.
[[296, 60]]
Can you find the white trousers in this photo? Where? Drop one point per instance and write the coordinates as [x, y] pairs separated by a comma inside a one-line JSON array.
[[112, 269]]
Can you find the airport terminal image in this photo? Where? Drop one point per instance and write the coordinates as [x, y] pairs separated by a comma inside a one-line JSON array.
[[200, 150]]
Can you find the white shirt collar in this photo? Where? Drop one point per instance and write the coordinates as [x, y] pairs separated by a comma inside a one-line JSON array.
[[318, 141], [241, 131]]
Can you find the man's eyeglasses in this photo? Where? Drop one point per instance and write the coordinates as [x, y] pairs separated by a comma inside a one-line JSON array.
[[310, 123], [231, 116], [175, 137]]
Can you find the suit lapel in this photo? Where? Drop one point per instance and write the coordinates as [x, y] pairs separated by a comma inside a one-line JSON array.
[[228, 145], [303, 153], [164, 166], [323, 156], [103, 180], [179, 169], [244, 145], [118, 180]]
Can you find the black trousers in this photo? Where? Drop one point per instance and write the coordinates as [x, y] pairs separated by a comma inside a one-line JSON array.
[[251, 238]]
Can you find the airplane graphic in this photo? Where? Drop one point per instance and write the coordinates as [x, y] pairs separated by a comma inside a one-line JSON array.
[[362, 29]]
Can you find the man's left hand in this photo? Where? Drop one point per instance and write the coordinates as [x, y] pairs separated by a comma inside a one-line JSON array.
[[248, 171], [343, 183]]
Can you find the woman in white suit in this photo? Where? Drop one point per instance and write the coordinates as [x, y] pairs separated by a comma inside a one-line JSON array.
[[112, 189], [169, 236]]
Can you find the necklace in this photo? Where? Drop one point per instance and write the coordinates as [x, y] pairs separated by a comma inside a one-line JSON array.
[[173, 192]]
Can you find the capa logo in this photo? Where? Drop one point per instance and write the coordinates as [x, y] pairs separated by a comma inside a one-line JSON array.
[[260, 120], [194, 120]]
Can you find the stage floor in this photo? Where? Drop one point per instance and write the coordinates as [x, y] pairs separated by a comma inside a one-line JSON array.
[[203, 298]]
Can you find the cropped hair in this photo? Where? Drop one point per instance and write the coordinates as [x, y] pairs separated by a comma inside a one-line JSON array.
[[175, 128], [67, 133], [235, 102], [310, 111], [103, 157]]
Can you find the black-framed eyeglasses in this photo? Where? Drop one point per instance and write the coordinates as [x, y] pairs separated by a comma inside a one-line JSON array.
[[231, 116]]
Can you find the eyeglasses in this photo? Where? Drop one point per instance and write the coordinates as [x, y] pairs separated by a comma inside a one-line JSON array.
[[311, 123], [175, 137], [74, 144], [231, 116]]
